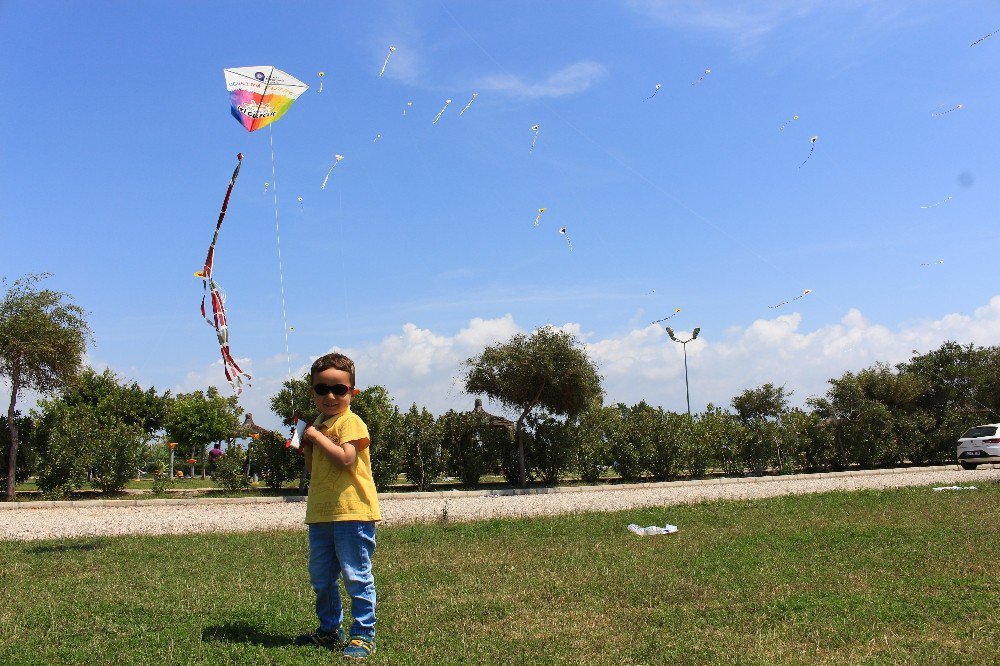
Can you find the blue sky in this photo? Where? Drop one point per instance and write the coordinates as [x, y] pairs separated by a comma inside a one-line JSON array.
[[118, 144]]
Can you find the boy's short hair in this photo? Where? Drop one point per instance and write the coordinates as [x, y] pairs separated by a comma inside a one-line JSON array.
[[333, 360]]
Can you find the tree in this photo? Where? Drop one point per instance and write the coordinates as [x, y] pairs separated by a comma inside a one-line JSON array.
[[294, 398], [424, 462], [546, 369], [764, 402], [375, 407], [43, 337], [196, 419]]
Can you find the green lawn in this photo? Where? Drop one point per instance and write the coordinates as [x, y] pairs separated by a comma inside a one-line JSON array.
[[867, 577]]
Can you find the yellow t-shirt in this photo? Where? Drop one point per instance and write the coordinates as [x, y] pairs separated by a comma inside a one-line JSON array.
[[342, 493]]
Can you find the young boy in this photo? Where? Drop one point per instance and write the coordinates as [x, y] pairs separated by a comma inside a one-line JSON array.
[[341, 510]]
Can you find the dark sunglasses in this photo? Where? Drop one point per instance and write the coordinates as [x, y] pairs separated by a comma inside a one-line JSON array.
[[336, 389]]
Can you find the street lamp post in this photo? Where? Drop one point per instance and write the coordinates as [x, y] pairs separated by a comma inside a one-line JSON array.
[[684, 343]]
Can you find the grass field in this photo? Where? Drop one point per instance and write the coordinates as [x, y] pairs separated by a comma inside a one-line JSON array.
[[867, 577]]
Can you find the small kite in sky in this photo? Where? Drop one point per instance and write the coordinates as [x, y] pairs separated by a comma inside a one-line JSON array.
[[392, 49], [933, 263], [474, 96], [569, 243], [813, 141], [267, 186], [938, 114], [802, 295], [321, 75], [538, 218], [670, 316], [702, 77], [983, 38], [534, 139], [655, 90], [787, 122], [300, 202], [937, 203], [233, 373], [409, 105], [261, 95], [375, 140], [336, 161], [438, 116]]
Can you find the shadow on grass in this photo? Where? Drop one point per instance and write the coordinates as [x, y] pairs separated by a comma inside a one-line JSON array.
[[241, 632], [77, 547]]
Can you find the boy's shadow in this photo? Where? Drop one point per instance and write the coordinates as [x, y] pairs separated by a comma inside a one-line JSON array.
[[241, 632]]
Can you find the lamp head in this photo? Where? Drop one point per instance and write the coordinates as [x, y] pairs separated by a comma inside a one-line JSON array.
[[695, 332], [670, 332]]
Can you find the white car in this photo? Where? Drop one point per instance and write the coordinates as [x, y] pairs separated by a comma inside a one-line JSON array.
[[979, 445]]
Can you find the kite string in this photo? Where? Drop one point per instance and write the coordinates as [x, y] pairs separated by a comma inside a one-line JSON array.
[[277, 234]]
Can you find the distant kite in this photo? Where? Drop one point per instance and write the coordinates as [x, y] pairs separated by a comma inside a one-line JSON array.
[[933, 205], [670, 316], [534, 140], [569, 243], [438, 116], [538, 218], [655, 90], [802, 295], [938, 114], [392, 49], [787, 122], [983, 38], [702, 77], [813, 141], [933, 263], [336, 160], [321, 75], [474, 96], [408, 106]]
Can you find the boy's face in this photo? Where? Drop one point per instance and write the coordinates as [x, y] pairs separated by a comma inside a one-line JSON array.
[[332, 404]]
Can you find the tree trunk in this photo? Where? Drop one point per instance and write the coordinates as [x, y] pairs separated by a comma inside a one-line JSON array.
[[522, 481], [15, 382]]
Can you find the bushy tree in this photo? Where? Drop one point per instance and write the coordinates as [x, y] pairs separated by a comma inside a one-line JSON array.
[[424, 462], [273, 461], [552, 445], [295, 398], [196, 419], [43, 337], [722, 434], [228, 472], [547, 369], [375, 407], [597, 432], [117, 419], [631, 458], [471, 445]]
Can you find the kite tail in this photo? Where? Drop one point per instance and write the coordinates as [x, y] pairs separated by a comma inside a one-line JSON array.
[[234, 375]]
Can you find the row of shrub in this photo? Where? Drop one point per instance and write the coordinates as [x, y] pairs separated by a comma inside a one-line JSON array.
[[101, 431]]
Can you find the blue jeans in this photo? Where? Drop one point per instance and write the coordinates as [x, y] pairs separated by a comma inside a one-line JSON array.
[[343, 547]]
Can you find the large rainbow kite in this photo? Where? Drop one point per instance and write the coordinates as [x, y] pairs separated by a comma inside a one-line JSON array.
[[261, 95]]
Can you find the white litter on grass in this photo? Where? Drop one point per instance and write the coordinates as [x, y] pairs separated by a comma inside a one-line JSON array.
[[956, 488], [652, 530]]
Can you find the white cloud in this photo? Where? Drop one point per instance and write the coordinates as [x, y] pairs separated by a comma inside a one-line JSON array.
[[569, 80], [422, 365]]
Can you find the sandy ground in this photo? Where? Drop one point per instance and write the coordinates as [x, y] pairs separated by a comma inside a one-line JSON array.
[[175, 517]]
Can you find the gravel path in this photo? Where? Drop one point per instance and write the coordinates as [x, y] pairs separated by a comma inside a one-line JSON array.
[[23, 522]]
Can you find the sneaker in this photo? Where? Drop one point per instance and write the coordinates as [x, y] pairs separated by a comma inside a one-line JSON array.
[[333, 640], [360, 648]]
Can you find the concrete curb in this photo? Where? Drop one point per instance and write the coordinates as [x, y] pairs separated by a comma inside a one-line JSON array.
[[447, 494]]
